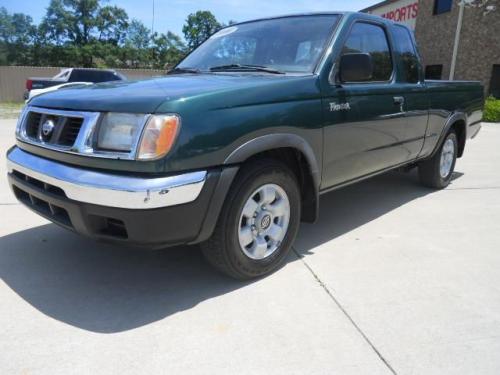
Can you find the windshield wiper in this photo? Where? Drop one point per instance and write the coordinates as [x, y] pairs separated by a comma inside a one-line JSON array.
[[244, 67], [184, 70]]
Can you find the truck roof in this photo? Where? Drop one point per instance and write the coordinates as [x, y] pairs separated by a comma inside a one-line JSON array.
[[340, 13]]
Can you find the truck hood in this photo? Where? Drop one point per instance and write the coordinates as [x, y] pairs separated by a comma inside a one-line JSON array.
[[146, 96]]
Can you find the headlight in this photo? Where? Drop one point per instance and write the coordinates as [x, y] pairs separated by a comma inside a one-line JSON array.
[[119, 131], [130, 133], [158, 136], [20, 120]]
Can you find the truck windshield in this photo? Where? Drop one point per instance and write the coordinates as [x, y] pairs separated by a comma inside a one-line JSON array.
[[289, 44]]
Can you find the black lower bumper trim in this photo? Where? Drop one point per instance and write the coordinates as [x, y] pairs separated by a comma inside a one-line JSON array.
[[160, 227]]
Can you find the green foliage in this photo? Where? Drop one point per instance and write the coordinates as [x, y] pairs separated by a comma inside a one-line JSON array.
[[199, 26], [16, 31], [88, 33], [491, 110]]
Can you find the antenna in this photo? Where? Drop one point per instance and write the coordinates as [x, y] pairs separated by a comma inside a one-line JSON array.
[[153, 20]]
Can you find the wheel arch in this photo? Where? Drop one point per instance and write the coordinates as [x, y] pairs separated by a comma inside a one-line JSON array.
[[458, 122], [297, 153]]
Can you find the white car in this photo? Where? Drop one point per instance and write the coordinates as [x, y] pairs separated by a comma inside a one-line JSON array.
[[36, 92]]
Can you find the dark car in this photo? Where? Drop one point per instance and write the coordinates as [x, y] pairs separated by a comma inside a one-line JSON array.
[[233, 149], [72, 75]]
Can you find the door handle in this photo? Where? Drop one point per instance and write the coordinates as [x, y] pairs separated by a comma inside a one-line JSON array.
[[399, 100]]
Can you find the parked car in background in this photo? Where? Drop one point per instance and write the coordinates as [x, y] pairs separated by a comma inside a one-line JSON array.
[[72, 75], [234, 147], [36, 92]]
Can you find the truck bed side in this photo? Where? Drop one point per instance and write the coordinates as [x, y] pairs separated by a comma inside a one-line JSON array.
[[451, 101]]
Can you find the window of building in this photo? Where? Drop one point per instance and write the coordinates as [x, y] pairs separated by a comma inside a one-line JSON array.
[[407, 54], [433, 71], [442, 6], [371, 39], [495, 82]]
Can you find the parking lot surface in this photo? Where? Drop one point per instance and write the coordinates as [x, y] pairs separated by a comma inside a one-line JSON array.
[[393, 278]]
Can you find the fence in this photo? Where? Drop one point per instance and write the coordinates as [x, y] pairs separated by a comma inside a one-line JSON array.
[[13, 78]]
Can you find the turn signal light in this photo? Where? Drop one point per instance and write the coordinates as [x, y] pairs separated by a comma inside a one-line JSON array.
[[158, 137]]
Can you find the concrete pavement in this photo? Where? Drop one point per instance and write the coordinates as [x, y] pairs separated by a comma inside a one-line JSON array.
[[394, 278]]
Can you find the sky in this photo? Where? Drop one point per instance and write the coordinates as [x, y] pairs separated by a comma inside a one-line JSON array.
[[171, 14]]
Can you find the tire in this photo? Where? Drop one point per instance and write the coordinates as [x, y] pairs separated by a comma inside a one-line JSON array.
[[251, 191], [430, 172]]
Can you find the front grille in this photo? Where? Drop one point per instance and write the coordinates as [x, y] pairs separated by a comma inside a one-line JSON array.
[[33, 124], [52, 129], [70, 131]]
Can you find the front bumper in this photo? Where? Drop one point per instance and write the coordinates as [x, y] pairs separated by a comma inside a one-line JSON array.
[[143, 211]]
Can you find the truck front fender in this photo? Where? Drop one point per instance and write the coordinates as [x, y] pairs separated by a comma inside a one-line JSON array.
[[273, 142]]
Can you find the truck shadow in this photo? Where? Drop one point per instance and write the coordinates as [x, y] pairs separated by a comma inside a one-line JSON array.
[[346, 209], [107, 289]]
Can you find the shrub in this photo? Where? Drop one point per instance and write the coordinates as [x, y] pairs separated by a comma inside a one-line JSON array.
[[491, 110]]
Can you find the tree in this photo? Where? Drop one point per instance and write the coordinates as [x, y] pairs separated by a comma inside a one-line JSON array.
[[167, 50], [112, 24], [16, 32], [88, 33], [488, 6], [81, 22], [198, 27], [138, 35]]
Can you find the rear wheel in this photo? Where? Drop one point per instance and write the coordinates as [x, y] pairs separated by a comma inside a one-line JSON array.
[[258, 221], [436, 172]]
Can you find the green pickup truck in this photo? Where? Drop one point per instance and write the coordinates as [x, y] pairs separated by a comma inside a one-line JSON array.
[[234, 146]]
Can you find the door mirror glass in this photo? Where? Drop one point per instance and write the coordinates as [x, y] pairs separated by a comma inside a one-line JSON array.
[[356, 67]]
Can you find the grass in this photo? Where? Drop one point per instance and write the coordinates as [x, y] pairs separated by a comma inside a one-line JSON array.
[[491, 110], [10, 109]]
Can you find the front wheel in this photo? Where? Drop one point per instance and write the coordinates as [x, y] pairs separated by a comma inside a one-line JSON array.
[[436, 172], [258, 222]]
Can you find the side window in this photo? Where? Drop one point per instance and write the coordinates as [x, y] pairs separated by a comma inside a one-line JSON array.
[[371, 39], [79, 76], [442, 6], [407, 52], [103, 76], [495, 81], [433, 71]]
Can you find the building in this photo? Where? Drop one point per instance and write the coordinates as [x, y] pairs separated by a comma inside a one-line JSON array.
[[402, 11], [457, 39]]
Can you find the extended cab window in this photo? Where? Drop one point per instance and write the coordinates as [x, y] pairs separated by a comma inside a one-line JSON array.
[[371, 39], [409, 59]]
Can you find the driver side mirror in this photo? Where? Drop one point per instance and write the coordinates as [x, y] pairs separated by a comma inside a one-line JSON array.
[[355, 67]]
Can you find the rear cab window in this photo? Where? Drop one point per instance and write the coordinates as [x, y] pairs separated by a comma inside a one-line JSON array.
[[93, 76]]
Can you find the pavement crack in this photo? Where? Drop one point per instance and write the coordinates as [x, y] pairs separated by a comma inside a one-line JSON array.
[[339, 305]]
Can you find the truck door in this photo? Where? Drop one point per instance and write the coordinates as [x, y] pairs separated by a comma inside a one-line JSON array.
[[411, 80], [365, 124]]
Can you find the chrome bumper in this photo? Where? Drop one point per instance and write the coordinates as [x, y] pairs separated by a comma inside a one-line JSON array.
[[107, 189]]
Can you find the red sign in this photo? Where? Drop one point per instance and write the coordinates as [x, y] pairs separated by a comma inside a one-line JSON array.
[[402, 14]]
